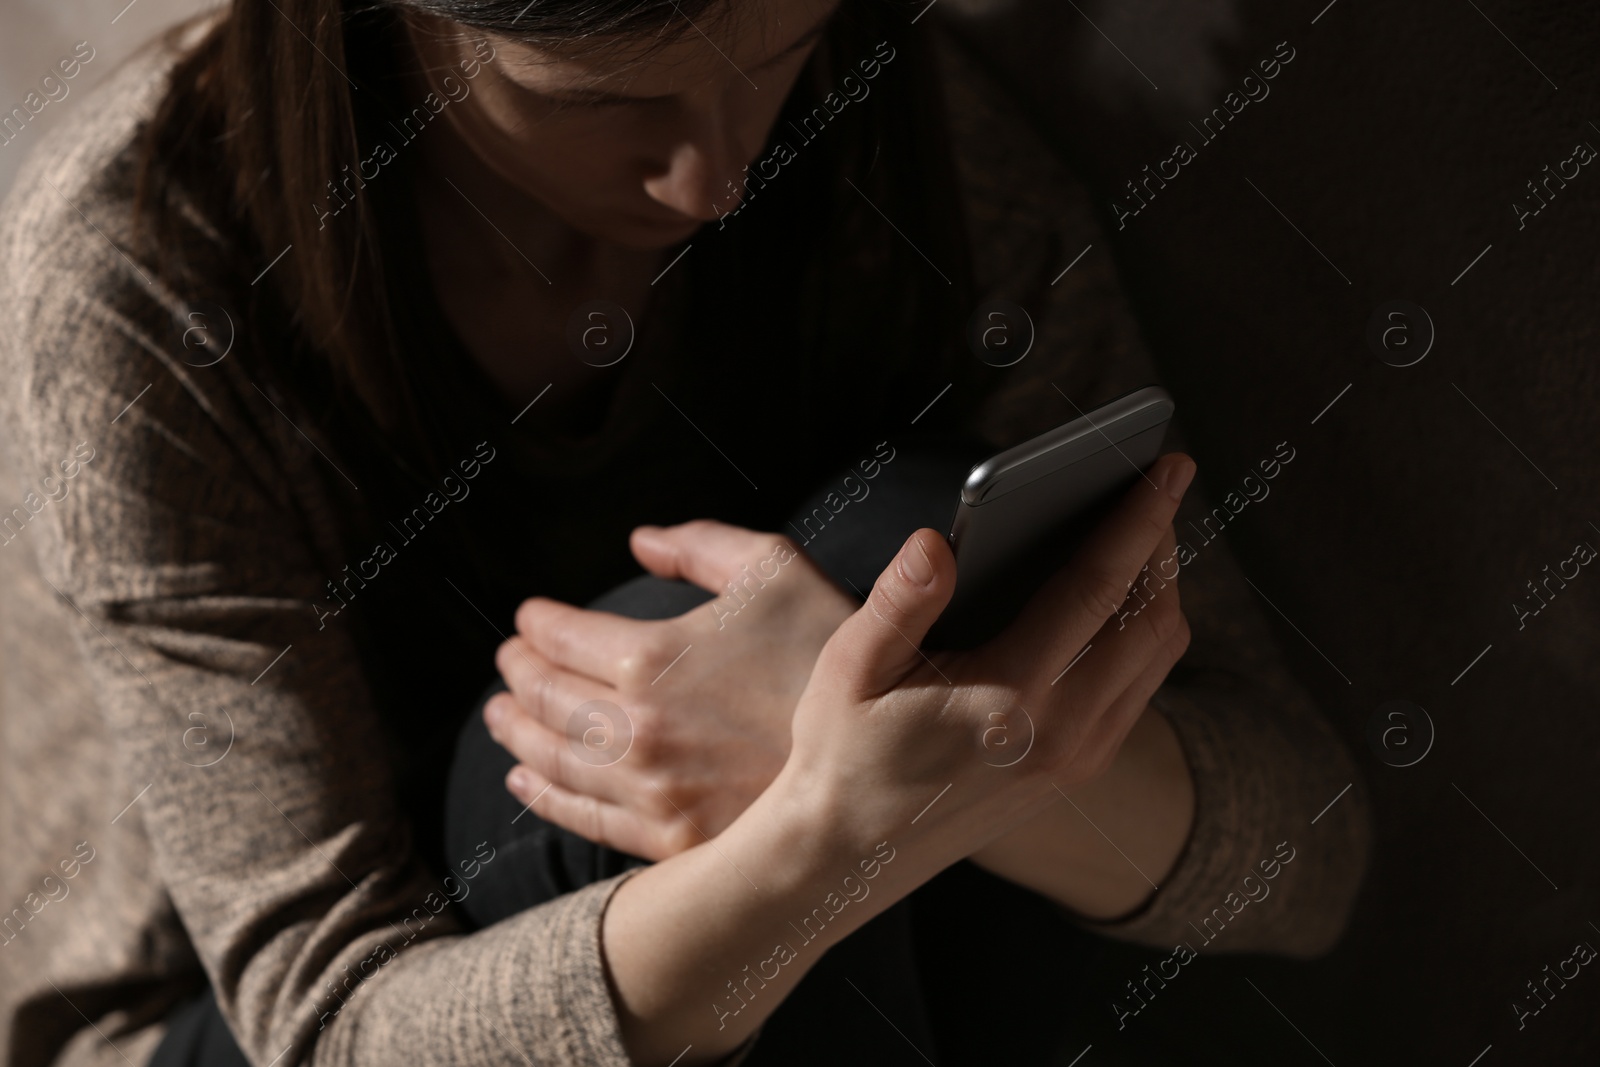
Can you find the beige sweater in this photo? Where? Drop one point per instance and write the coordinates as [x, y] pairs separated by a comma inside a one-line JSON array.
[[170, 532]]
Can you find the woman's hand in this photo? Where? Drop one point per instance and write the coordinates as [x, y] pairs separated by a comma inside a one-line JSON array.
[[893, 740], [697, 708], [889, 780]]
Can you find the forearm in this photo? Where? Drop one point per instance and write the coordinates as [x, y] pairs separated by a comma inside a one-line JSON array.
[[1106, 846], [702, 947]]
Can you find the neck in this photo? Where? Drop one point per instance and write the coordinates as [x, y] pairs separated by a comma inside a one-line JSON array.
[[497, 219]]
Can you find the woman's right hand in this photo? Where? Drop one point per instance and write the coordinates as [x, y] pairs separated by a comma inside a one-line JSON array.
[[891, 741]]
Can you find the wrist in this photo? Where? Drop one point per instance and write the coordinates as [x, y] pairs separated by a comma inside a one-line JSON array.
[[828, 832], [1144, 803], [702, 946], [800, 830]]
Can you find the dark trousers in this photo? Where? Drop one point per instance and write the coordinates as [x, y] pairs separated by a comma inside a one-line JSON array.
[[967, 970]]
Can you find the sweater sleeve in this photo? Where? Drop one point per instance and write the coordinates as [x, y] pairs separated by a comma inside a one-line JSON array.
[[187, 550], [1280, 834], [1264, 762]]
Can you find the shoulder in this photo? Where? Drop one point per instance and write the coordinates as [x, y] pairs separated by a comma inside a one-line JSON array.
[[103, 358], [79, 176], [1022, 200], [67, 248], [1036, 244]]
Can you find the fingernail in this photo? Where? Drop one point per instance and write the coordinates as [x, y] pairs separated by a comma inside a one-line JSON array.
[[1175, 480], [915, 564], [494, 714], [520, 781]]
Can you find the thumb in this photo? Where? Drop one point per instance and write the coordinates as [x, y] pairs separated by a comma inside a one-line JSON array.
[[878, 647], [703, 551]]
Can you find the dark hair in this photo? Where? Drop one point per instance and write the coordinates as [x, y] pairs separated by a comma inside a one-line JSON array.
[[281, 93]]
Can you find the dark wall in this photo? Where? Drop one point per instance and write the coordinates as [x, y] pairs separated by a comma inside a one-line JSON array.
[[1392, 149]]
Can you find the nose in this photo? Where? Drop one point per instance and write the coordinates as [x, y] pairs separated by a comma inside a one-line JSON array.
[[704, 168]]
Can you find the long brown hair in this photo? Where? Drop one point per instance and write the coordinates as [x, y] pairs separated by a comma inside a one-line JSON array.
[[278, 95]]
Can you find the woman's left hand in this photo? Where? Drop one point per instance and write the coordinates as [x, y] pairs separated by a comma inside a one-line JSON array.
[[696, 709]]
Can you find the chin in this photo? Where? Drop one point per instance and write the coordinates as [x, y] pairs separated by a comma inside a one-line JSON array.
[[638, 231], [648, 235]]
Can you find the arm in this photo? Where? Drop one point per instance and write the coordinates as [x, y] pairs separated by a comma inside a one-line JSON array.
[[1262, 760], [185, 547], [704, 946], [1103, 849], [1099, 853], [1221, 778], [883, 750]]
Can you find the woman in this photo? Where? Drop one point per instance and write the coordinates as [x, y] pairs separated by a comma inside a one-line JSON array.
[[314, 321]]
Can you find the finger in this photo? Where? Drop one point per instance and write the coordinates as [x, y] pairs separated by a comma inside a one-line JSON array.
[[590, 818], [592, 643], [706, 552], [1164, 560], [543, 689], [550, 754], [1144, 620], [1076, 601], [1129, 641], [878, 646], [522, 668], [1152, 597], [1126, 710]]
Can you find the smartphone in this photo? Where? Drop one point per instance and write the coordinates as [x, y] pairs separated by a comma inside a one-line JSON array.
[[1023, 512]]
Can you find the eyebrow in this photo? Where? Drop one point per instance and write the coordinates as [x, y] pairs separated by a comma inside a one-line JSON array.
[[592, 96]]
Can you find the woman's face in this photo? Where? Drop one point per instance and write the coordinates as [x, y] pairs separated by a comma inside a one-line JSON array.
[[632, 142]]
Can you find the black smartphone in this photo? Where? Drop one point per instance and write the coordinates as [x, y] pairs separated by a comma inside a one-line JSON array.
[[1023, 512]]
